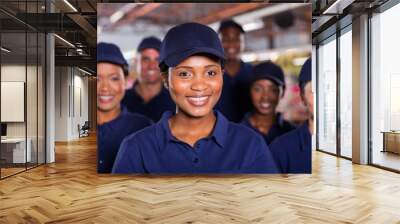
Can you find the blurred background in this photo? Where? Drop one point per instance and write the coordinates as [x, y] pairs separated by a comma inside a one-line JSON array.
[[277, 32]]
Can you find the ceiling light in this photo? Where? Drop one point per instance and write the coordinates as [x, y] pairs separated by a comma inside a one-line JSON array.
[[116, 16], [64, 40], [84, 71], [121, 12], [256, 25], [70, 5], [337, 7], [5, 50]]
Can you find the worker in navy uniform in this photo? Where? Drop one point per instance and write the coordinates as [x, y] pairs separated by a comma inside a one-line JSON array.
[[235, 99], [113, 122], [266, 90], [292, 151], [148, 96], [195, 139]]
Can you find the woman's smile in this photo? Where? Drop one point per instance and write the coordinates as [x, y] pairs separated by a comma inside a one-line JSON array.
[[199, 100], [195, 85]]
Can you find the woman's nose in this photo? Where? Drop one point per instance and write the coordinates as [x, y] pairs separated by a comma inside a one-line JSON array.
[[103, 85], [199, 84]]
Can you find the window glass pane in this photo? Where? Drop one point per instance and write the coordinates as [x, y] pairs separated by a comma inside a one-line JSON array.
[[385, 84], [327, 97], [41, 98], [31, 97], [14, 153], [346, 94]]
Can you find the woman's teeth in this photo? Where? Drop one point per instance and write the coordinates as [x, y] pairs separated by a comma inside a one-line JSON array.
[[198, 100], [265, 105], [105, 98]]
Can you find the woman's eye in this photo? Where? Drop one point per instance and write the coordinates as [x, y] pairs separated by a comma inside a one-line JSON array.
[[212, 73], [115, 78], [183, 74]]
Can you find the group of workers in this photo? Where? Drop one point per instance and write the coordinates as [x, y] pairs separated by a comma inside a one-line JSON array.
[[196, 107]]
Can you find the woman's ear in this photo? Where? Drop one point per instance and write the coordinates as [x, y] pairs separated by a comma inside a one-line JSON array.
[[165, 84], [281, 92]]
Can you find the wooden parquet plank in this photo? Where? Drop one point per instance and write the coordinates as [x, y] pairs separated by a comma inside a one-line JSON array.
[[70, 191]]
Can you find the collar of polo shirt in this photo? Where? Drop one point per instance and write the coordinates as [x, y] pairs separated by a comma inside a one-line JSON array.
[[219, 132]]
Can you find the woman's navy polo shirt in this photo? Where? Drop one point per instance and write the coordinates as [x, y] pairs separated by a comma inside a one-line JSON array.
[[231, 148], [279, 128], [152, 109], [111, 134], [292, 151]]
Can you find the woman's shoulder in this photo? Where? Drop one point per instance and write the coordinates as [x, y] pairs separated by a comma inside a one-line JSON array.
[[233, 129], [288, 140], [242, 131], [146, 134]]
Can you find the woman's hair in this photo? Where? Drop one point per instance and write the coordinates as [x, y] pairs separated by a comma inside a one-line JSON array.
[[125, 69], [164, 68]]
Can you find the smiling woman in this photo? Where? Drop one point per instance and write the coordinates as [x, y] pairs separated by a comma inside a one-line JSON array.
[[266, 90], [113, 122], [196, 139], [196, 84]]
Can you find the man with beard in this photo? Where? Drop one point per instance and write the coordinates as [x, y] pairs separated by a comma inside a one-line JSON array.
[[148, 95], [292, 151]]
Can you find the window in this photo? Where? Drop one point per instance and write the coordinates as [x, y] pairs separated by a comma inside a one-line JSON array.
[[346, 93], [385, 89], [327, 96], [22, 77]]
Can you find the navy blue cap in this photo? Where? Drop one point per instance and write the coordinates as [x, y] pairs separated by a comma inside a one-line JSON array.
[[188, 39], [269, 70], [108, 52], [150, 42], [230, 23], [305, 73]]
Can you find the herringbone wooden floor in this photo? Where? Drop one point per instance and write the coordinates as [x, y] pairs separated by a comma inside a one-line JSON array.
[[70, 191]]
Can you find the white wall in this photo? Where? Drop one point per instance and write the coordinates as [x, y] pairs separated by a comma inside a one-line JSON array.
[[71, 94], [61, 103], [33, 126], [12, 73]]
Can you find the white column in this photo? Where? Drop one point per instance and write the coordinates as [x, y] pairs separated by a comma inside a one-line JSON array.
[[314, 88], [360, 90], [50, 94]]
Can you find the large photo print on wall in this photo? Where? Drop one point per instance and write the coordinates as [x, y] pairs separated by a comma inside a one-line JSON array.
[[192, 88]]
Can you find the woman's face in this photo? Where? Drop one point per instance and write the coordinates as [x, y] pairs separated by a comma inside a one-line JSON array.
[[195, 85], [110, 86], [265, 96]]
